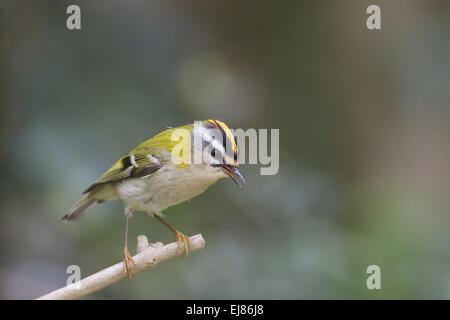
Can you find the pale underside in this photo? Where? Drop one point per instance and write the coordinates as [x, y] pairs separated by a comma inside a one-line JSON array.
[[168, 186]]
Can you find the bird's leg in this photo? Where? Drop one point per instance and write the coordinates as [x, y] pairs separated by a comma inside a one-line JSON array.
[[126, 254], [181, 238]]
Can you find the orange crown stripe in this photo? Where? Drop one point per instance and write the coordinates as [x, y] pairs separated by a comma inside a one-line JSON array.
[[221, 125], [228, 133]]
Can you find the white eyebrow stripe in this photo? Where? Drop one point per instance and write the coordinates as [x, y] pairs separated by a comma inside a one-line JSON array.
[[207, 137], [133, 160], [218, 146]]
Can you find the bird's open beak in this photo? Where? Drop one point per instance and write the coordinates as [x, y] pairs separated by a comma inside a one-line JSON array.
[[233, 173]]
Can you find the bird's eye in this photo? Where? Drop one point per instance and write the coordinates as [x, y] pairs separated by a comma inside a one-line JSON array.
[[213, 153]]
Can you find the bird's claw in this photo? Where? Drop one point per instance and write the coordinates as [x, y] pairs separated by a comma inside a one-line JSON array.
[[127, 258], [183, 241]]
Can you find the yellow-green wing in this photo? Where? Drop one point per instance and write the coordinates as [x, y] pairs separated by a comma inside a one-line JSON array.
[[134, 164], [145, 159]]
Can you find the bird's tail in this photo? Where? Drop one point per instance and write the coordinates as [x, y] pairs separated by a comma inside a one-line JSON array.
[[79, 208]]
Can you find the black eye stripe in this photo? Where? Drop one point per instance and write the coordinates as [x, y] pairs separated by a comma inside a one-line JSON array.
[[223, 133], [224, 140], [231, 153]]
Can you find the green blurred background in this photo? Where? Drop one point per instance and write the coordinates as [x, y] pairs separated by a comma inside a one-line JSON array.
[[364, 122]]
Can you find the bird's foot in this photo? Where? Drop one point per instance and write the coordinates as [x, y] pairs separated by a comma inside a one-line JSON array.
[[183, 241], [127, 258]]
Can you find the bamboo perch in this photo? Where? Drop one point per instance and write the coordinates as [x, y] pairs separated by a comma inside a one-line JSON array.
[[148, 256]]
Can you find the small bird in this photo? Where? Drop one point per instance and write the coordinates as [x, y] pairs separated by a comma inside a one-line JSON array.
[[158, 174]]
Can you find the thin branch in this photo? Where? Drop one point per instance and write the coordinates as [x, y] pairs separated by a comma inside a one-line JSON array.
[[148, 256]]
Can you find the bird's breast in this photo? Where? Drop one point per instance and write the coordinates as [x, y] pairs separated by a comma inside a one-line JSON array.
[[168, 186]]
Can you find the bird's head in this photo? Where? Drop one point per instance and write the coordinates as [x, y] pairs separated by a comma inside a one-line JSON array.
[[218, 148]]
